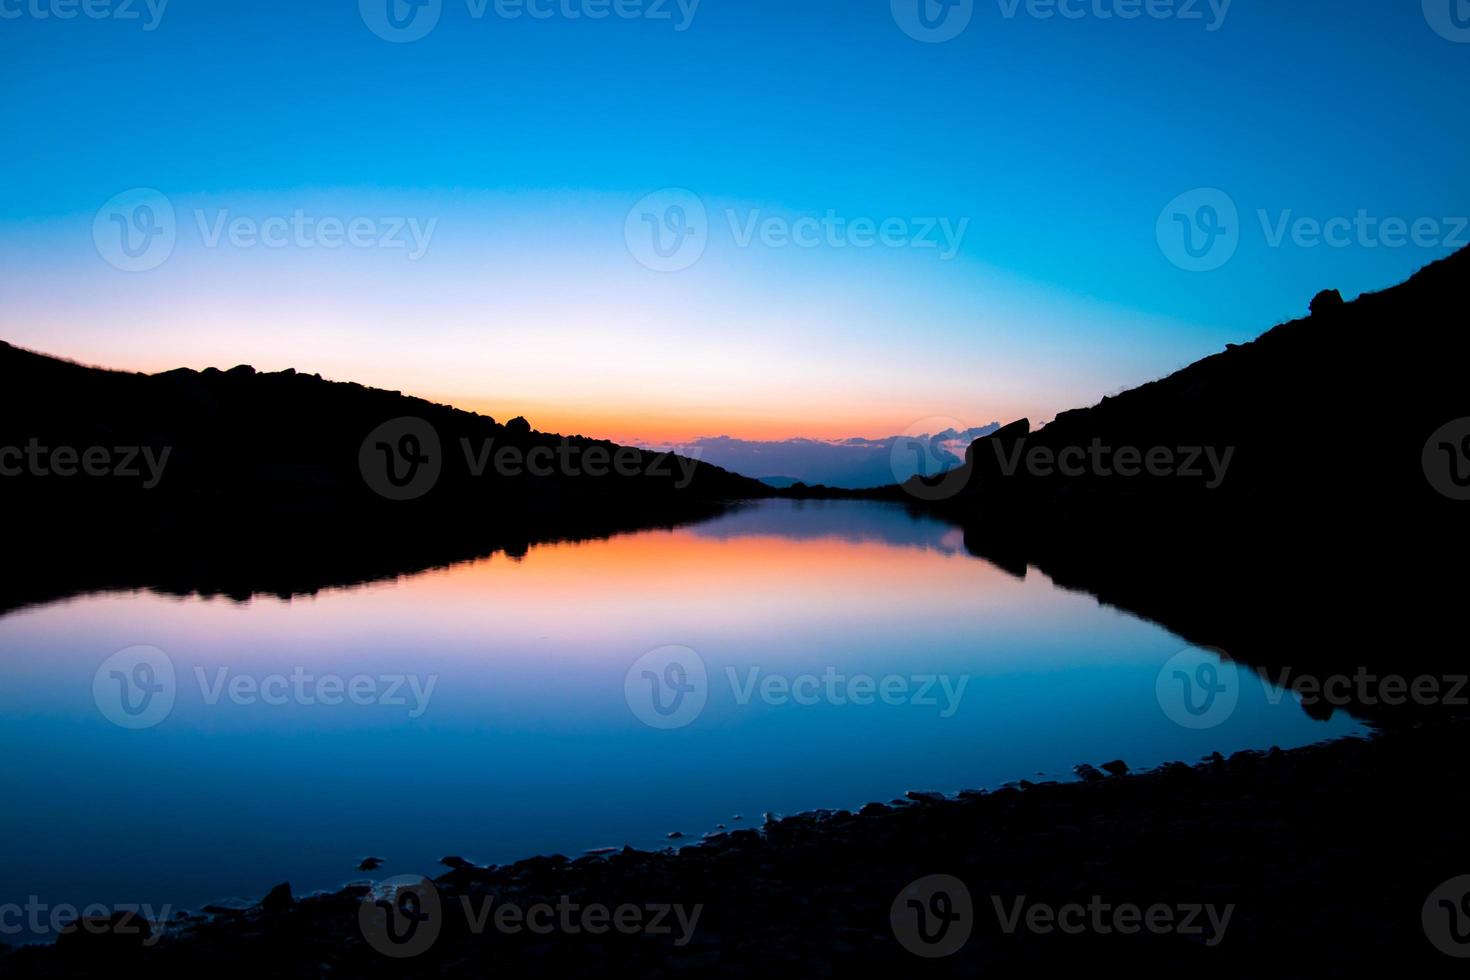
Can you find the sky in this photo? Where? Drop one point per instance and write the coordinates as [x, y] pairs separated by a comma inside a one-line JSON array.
[[872, 218]]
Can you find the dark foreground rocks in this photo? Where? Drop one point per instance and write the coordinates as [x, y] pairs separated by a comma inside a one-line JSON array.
[[1319, 862]]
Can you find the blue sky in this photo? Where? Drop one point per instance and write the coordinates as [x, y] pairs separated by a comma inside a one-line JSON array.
[[1057, 140]]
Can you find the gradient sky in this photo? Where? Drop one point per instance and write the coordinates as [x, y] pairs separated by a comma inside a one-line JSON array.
[[528, 141]]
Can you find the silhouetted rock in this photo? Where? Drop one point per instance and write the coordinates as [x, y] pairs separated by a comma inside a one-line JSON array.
[[278, 899], [924, 796], [1326, 301], [1115, 768], [370, 864], [518, 426], [455, 861], [103, 935]]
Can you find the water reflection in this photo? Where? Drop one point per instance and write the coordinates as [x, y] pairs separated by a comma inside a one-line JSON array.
[[849, 651]]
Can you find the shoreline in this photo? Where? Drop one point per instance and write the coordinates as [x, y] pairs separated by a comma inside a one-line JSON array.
[[1262, 829]]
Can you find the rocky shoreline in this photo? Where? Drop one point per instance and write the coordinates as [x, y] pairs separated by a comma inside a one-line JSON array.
[[1317, 861]]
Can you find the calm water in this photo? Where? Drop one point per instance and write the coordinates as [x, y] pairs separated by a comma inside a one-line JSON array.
[[530, 739]]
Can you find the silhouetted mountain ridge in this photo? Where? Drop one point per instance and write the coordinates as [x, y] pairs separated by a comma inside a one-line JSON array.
[[1328, 414], [287, 442], [1324, 545], [271, 482]]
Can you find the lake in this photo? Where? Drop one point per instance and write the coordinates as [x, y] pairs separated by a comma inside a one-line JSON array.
[[783, 657]]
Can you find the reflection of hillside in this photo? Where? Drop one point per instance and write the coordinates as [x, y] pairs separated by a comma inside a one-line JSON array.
[[291, 559], [1326, 546]]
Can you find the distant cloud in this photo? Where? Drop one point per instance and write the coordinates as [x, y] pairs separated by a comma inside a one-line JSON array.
[[853, 463]]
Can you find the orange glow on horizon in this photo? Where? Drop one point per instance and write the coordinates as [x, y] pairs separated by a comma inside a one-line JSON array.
[[642, 416]]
